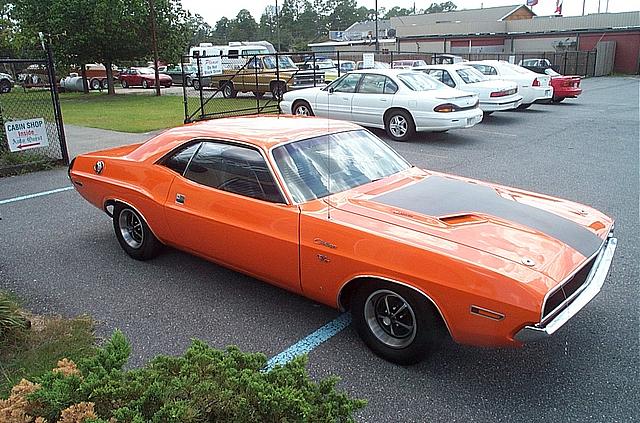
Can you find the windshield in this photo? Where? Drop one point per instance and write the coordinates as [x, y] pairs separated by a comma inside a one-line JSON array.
[[320, 166], [284, 62], [418, 81], [471, 75], [347, 66]]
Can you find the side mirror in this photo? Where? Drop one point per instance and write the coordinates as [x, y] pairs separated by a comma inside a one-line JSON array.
[[330, 90]]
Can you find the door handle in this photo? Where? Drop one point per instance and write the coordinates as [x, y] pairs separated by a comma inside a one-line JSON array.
[[179, 198]]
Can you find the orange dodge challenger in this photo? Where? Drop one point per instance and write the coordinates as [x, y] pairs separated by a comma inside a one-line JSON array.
[[327, 210]]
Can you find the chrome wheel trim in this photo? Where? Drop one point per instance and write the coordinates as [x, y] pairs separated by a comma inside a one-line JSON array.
[[131, 229], [226, 91], [302, 110], [390, 318], [398, 126]]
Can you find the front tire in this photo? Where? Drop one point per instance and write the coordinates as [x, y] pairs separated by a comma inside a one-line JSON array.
[[396, 322], [124, 83], [278, 89], [302, 108], [133, 233], [228, 91], [399, 125], [94, 84], [145, 84], [196, 84]]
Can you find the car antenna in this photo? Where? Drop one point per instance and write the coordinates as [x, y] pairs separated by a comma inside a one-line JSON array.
[[328, 160]]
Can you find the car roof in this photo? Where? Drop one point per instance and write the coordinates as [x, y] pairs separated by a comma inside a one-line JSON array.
[[386, 71], [262, 131], [449, 66]]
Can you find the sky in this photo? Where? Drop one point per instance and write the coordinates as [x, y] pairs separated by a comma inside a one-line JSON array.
[[213, 10]]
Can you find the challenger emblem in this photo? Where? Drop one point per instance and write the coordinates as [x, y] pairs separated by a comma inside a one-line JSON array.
[[98, 167], [324, 243]]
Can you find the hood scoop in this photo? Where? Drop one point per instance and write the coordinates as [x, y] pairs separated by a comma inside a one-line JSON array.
[[462, 219]]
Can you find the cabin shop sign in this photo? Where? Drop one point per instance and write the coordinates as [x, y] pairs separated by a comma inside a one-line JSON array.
[[26, 134]]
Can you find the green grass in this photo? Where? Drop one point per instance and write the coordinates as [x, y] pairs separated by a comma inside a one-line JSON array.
[[25, 353], [137, 113]]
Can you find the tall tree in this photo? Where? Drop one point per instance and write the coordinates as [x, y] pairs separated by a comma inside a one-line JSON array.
[[243, 27], [447, 6]]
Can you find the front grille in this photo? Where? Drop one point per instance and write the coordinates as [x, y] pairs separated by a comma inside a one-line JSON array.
[[308, 78], [569, 288]]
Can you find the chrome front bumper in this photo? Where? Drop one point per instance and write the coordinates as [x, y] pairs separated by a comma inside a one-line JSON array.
[[588, 291]]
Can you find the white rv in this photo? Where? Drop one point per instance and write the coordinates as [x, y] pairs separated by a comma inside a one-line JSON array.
[[234, 55]]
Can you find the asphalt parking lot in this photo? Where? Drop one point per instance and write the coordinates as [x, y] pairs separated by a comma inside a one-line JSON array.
[[59, 254]]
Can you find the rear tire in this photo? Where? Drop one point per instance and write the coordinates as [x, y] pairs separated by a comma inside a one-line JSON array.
[[524, 106], [196, 84], [124, 84], [278, 89], [133, 233], [258, 94], [145, 84], [487, 114], [399, 125], [558, 99], [94, 84], [104, 84], [5, 86], [396, 322]]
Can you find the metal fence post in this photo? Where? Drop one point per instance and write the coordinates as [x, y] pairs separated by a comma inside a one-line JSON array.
[[255, 72], [314, 68], [279, 96], [184, 92], [564, 68], [51, 73], [391, 58], [201, 86]]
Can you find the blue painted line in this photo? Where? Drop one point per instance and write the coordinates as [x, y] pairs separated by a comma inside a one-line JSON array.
[[311, 341], [38, 194]]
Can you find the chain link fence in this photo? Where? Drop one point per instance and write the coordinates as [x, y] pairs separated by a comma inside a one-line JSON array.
[[254, 84], [31, 130]]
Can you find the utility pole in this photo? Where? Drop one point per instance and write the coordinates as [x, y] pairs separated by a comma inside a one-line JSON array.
[[278, 26], [583, 4], [154, 41], [598, 6], [377, 44]]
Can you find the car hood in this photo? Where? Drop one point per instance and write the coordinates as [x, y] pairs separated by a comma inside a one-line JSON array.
[[550, 235]]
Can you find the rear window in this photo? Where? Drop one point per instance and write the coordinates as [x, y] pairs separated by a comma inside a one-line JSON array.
[[418, 81]]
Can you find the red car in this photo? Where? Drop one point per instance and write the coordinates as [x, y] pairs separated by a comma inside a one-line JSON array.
[[564, 86], [144, 77]]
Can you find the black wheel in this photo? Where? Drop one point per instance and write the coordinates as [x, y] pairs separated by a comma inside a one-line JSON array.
[[196, 84], [558, 99], [258, 94], [5, 86], [104, 84], [487, 114], [145, 84], [396, 322], [302, 108], [133, 233], [524, 106], [124, 83], [187, 82], [94, 84], [399, 125], [278, 89], [228, 91]]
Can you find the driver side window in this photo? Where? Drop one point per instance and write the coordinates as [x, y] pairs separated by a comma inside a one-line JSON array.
[[232, 168], [347, 84]]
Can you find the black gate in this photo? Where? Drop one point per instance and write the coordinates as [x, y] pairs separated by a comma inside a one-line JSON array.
[[31, 128], [243, 85]]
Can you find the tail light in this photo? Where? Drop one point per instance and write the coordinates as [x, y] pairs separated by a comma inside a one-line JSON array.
[[499, 94], [536, 83], [446, 108]]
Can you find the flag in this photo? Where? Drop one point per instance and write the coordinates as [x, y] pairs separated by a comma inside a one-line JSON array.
[[558, 7], [532, 3]]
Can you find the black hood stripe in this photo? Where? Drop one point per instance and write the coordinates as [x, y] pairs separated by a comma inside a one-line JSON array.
[[438, 196]]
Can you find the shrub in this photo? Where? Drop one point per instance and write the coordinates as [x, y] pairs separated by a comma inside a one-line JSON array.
[[202, 385], [10, 318]]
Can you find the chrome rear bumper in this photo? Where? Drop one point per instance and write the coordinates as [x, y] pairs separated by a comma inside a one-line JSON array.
[[588, 291]]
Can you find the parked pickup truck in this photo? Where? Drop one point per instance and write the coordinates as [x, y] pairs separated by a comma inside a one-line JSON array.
[[260, 76]]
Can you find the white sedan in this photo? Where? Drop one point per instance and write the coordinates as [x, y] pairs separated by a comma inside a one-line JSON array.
[[533, 87], [398, 100], [495, 94]]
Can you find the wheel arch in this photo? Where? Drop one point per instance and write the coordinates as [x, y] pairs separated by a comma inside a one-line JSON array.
[[112, 202], [349, 288], [298, 101], [385, 116]]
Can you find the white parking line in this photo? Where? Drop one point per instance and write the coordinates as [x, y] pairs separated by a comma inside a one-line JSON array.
[[38, 194], [493, 133]]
